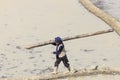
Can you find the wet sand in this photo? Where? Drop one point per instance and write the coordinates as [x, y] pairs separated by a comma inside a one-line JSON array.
[[26, 22]]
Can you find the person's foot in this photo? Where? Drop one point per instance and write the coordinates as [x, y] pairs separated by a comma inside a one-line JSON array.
[[67, 72], [54, 72]]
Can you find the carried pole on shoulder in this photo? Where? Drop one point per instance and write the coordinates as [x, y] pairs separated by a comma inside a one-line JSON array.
[[70, 38]]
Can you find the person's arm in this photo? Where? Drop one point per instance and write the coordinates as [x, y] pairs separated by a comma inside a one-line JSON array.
[[53, 43]]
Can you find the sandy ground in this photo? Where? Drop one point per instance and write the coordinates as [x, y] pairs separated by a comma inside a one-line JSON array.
[[26, 22]]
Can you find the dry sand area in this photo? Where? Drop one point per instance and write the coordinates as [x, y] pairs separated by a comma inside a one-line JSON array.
[[25, 22]]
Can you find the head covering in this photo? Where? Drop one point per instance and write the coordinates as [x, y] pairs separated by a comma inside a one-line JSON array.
[[58, 39]]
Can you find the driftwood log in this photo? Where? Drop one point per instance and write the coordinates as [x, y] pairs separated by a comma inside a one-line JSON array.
[[83, 72], [71, 38], [96, 70], [107, 18]]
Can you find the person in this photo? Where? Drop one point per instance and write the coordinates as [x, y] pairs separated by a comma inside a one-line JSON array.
[[60, 55]]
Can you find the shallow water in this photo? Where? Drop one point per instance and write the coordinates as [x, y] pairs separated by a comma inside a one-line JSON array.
[[110, 6]]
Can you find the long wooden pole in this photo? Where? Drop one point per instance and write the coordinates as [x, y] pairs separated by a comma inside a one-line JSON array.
[[71, 38]]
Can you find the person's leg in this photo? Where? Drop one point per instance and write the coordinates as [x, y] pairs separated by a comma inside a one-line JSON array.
[[66, 63], [57, 62], [55, 70]]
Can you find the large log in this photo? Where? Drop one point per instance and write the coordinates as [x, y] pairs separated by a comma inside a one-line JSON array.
[[83, 72], [71, 38], [107, 18], [96, 70]]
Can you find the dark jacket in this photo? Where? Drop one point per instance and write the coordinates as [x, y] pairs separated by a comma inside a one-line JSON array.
[[59, 48]]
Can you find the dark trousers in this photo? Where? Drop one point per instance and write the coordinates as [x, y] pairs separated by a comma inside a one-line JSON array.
[[63, 59]]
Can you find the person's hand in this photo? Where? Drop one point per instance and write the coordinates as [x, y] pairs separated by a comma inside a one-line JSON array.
[[54, 52], [50, 41]]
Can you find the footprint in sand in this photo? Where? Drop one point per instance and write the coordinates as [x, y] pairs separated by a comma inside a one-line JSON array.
[[18, 47], [43, 60], [31, 57], [105, 59], [8, 44]]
